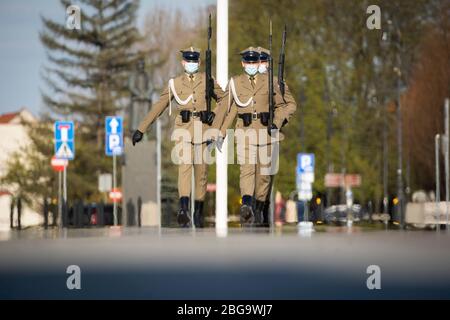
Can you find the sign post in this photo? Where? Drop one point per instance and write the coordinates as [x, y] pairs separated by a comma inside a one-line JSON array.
[[114, 148], [64, 150], [59, 165], [305, 179]]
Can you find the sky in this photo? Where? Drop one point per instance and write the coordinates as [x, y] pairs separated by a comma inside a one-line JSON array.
[[22, 56]]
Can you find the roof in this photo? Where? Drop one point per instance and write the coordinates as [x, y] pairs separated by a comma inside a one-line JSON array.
[[17, 117], [8, 117]]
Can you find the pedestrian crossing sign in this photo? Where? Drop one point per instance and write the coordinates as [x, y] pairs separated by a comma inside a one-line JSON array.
[[64, 140]]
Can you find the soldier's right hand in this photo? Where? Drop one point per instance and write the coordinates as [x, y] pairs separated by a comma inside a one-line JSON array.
[[219, 143], [211, 144], [137, 136]]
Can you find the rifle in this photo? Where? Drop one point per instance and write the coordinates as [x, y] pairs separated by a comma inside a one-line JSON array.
[[271, 93], [281, 82], [209, 90]]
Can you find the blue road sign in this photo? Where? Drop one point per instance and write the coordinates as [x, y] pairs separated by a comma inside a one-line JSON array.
[[305, 175], [113, 136], [64, 140], [305, 162]]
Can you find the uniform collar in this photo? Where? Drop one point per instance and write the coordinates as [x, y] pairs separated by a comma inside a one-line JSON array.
[[197, 80], [260, 81]]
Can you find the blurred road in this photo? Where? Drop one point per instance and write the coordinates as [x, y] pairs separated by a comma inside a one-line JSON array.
[[246, 264]]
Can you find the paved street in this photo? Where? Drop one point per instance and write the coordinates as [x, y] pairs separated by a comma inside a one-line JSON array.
[[246, 264]]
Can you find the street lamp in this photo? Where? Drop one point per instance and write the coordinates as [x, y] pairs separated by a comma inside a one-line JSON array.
[[396, 40]]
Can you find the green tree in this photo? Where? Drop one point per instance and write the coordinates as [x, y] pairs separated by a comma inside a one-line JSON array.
[[88, 73], [87, 76], [333, 62]]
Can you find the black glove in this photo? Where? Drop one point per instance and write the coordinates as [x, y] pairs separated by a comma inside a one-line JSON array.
[[137, 136], [219, 143], [272, 129], [210, 117]]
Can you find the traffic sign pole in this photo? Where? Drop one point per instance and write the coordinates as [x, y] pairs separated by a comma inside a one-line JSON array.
[[447, 156], [158, 169], [114, 188], [65, 185], [64, 150], [114, 147], [59, 200], [438, 181]]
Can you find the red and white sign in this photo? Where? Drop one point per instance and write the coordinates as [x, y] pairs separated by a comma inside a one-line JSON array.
[[59, 164], [211, 187], [335, 180], [353, 180], [115, 195]]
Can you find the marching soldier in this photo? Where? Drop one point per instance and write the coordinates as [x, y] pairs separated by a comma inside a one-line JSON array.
[[289, 110], [248, 97], [188, 91]]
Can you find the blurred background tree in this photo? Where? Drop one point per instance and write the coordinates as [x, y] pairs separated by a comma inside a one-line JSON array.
[[342, 75], [87, 76]]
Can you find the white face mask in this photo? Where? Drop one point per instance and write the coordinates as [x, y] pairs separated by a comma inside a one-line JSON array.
[[262, 68], [191, 67], [251, 69]]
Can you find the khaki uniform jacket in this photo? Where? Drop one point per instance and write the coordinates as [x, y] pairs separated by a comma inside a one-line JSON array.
[[184, 88], [284, 108]]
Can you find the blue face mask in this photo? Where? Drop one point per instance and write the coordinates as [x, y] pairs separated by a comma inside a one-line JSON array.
[[251, 69], [191, 67], [262, 68]]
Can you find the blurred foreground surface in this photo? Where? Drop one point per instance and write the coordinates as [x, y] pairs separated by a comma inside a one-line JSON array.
[[147, 263]]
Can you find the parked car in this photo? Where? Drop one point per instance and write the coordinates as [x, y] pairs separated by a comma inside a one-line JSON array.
[[338, 214]]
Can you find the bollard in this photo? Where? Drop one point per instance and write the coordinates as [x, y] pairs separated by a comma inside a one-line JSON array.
[[19, 213], [80, 214], [11, 213], [64, 212], [101, 214], [89, 214], [139, 210], [45, 213]]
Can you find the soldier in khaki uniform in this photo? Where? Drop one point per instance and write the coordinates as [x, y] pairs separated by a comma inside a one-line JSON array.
[[187, 91], [248, 97], [289, 109]]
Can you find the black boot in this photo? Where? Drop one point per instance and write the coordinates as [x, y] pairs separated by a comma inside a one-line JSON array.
[[265, 213], [259, 207], [198, 214], [247, 216], [183, 215]]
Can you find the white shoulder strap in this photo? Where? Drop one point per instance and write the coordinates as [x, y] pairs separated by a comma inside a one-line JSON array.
[[235, 97], [175, 95]]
